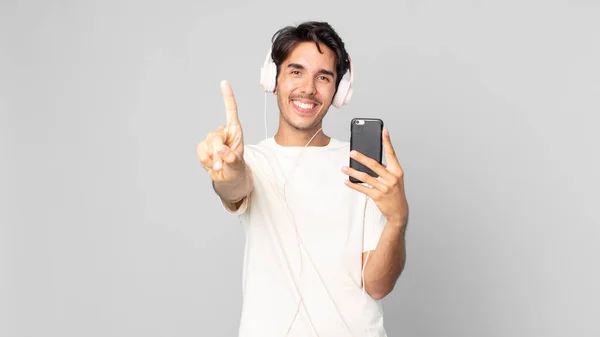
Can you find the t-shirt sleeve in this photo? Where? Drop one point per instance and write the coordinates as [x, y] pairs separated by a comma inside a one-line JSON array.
[[231, 209], [374, 224]]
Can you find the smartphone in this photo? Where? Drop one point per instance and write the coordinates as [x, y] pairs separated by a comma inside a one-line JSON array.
[[366, 138]]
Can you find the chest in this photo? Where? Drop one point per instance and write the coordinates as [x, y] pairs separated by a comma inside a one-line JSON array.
[[324, 208]]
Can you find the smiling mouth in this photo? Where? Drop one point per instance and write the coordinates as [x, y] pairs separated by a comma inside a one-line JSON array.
[[304, 107]]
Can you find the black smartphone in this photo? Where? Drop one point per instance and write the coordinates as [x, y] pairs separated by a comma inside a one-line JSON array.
[[366, 138]]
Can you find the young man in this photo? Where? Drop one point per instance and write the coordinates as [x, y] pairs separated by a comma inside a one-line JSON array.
[[312, 238]]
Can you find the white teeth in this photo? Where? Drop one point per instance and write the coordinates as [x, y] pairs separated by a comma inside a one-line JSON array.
[[304, 105]]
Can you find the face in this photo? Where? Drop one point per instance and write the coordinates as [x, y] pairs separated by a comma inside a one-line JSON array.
[[306, 85]]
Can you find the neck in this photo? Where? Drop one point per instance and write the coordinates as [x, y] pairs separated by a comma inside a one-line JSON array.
[[294, 137]]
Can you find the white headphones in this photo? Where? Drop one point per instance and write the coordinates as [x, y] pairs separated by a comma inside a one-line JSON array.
[[268, 78]]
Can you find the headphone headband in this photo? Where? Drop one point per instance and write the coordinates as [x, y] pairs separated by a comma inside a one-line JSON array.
[[350, 69]]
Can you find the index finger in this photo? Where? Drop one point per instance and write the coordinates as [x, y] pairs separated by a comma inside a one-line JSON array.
[[390, 153], [230, 104], [371, 163]]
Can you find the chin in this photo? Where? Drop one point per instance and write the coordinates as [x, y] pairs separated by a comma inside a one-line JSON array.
[[304, 124]]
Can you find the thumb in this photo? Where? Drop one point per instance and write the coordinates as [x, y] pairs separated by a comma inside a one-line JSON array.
[[227, 155]]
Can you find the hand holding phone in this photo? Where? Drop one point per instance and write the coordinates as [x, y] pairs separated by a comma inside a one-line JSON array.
[[385, 186], [366, 138]]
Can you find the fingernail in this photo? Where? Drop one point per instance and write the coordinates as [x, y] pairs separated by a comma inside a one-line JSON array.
[[352, 153], [386, 132], [217, 165], [223, 151], [344, 168]]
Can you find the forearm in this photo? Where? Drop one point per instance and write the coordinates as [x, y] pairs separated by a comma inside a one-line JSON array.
[[236, 190], [386, 262]]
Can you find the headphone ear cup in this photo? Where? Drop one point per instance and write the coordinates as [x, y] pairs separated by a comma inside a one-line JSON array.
[[349, 94], [343, 94], [268, 75]]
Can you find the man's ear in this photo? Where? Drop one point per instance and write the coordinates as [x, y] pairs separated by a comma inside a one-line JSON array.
[[276, 83]]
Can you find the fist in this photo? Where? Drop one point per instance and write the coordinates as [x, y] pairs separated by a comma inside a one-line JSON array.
[[221, 153]]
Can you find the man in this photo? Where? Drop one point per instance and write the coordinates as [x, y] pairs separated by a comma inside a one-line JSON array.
[[312, 238]]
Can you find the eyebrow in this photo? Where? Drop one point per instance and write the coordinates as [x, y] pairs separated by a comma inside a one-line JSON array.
[[321, 71]]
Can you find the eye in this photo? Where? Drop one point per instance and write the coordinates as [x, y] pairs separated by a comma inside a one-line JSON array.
[[324, 78], [295, 72]]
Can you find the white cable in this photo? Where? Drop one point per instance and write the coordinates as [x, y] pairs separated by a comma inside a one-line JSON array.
[[298, 239], [288, 210], [266, 133], [300, 243], [362, 271]]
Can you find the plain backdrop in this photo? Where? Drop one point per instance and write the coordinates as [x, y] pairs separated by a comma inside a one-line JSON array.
[[109, 226]]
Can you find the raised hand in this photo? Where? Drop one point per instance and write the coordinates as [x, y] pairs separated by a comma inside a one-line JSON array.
[[222, 151]]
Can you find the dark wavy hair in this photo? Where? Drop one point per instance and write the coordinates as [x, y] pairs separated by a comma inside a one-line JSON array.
[[285, 39]]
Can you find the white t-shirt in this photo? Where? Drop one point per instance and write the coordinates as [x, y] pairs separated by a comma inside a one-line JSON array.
[[306, 242]]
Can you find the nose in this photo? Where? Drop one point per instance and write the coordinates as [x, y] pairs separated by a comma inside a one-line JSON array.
[[308, 86]]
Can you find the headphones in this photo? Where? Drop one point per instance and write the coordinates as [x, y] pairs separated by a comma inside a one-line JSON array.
[[268, 78]]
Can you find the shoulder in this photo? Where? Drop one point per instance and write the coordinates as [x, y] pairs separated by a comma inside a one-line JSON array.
[[260, 154], [340, 145], [260, 148], [338, 148]]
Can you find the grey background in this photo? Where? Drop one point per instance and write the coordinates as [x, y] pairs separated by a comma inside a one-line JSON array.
[[108, 223]]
